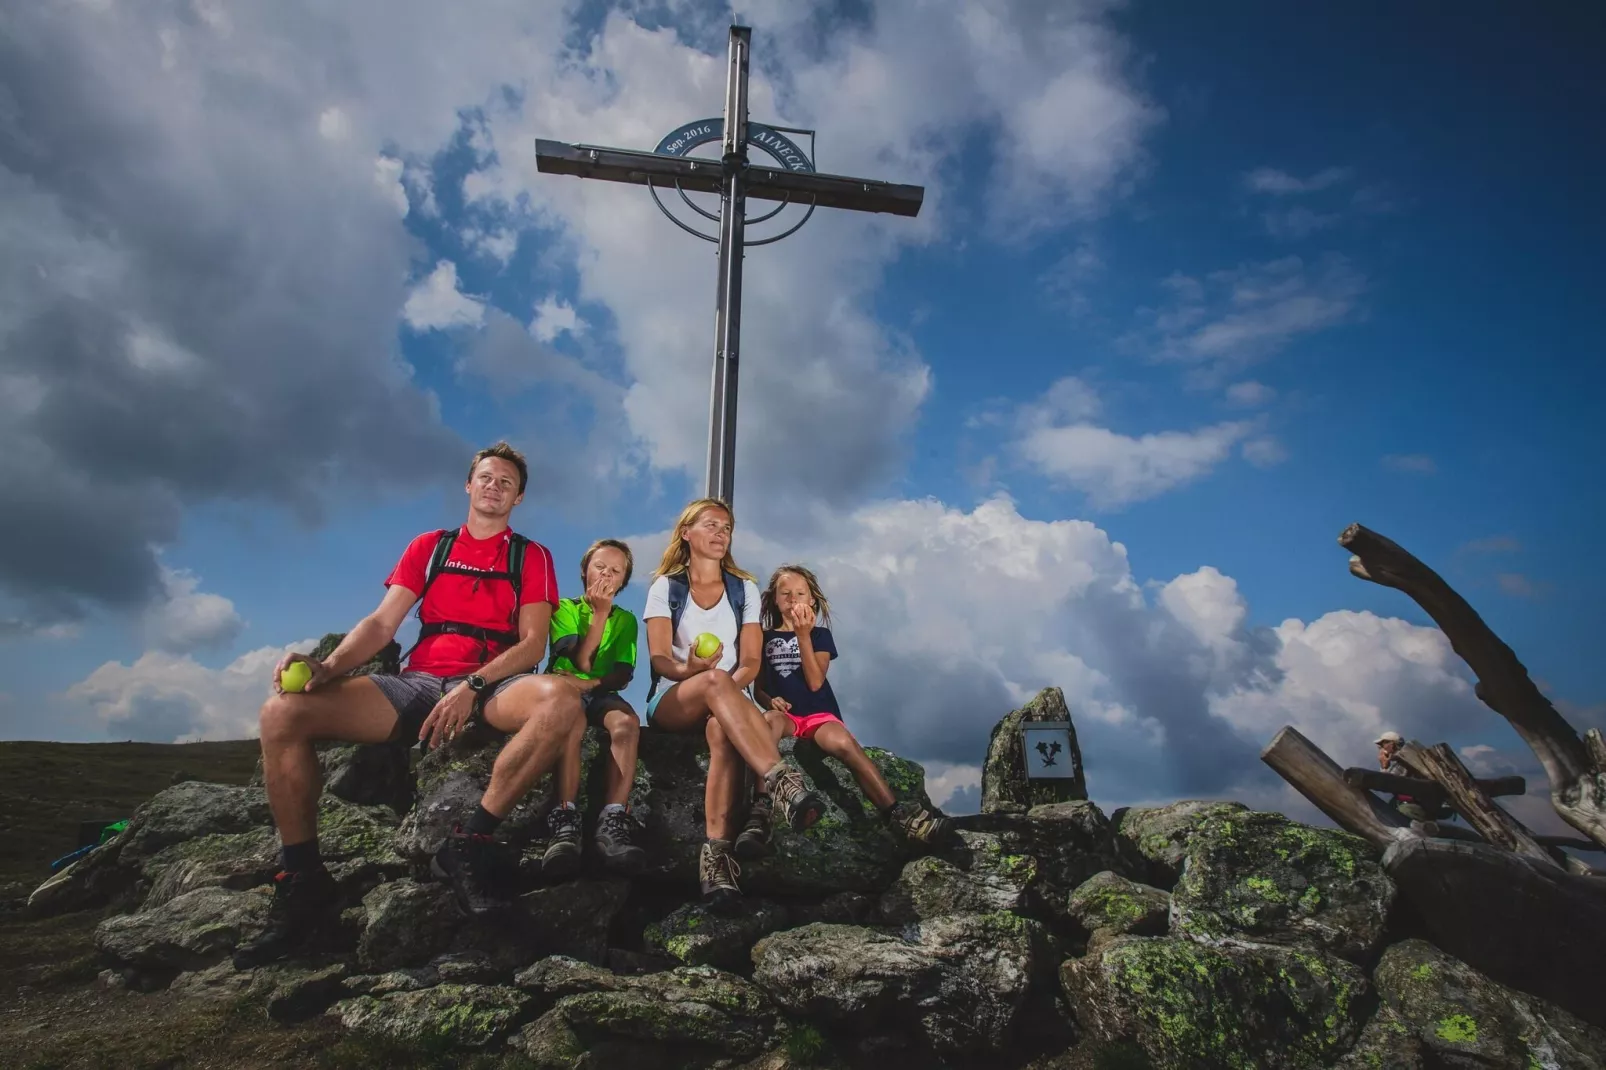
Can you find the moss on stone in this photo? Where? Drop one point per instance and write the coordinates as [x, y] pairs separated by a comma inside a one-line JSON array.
[[1458, 1029]]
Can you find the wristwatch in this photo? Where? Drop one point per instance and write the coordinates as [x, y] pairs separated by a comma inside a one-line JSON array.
[[476, 682]]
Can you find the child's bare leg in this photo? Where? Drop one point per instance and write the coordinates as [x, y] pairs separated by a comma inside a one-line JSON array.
[[624, 733], [835, 739]]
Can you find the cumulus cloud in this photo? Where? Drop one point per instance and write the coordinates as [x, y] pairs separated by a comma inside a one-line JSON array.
[[1265, 452], [1250, 394], [187, 619], [437, 304], [171, 698]]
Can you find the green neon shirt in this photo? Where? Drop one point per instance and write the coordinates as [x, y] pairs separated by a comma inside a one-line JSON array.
[[618, 646]]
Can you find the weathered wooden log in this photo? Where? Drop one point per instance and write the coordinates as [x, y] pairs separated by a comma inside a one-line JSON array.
[[1426, 791], [1576, 768], [1523, 922], [1317, 777], [1574, 843], [1478, 810]]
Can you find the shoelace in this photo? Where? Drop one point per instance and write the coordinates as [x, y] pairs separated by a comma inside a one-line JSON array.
[[616, 823], [713, 862], [564, 822]]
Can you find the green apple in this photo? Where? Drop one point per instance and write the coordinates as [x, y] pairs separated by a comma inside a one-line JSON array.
[[705, 644], [295, 676]]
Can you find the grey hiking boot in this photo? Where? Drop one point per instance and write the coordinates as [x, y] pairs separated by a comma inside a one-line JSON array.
[[562, 858], [616, 831], [799, 806], [305, 904], [717, 870], [754, 838], [918, 823]]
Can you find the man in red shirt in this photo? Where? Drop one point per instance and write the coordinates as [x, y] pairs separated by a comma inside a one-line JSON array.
[[485, 601]]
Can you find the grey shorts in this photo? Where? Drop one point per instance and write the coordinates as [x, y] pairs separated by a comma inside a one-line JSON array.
[[414, 694], [597, 703]]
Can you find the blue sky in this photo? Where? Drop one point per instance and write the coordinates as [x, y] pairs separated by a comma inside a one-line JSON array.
[[1209, 284]]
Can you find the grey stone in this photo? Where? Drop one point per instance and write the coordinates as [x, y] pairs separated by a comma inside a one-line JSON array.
[[1159, 835], [187, 933], [930, 887], [1004, 786], [1108, 905], [444, 1017], [697, 936]]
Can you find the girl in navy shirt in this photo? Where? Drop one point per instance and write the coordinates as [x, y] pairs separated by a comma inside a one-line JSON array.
[[798, 701]]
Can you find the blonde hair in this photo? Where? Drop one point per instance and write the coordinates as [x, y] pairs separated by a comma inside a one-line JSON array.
[[630, 559], [677, 555], [770, 615]]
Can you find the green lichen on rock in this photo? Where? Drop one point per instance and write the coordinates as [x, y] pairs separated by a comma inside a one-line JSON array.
[[441, 1018], [695, 1006], [697, 936], [1190, 1005], [189, 932], [1387, 1043], [1159, 835], [1108, 905], [992, 880], [1466, 1019], [1262, 878]]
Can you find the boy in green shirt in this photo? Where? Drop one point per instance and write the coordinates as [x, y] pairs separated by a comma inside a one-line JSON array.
[[594, 647]]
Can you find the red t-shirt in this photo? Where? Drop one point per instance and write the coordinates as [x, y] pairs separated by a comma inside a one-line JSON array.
[[469, 600]]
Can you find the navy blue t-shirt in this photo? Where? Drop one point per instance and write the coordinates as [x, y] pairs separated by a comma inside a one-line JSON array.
[[781, 674]]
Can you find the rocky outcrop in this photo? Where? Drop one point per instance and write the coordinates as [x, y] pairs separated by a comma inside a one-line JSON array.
[[697, 936], [186, 933], [1004, 786], [1108, 905], [1155, 838], [444, 1017]]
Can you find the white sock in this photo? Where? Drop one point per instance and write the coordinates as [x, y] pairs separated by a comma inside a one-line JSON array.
[[566, 806], [614, 806]]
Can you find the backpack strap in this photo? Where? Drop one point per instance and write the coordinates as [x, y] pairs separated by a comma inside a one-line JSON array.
[[680, 592], [438, 563], [736, 595]]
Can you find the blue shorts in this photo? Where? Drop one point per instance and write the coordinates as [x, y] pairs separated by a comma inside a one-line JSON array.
[[652, 703]]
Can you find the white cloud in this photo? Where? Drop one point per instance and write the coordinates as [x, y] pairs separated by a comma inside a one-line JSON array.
[[1067, 280], [950, 782], [437, 304], [1280, 183], [1517, 585], [553, 317], [1113, 469], [1265, 452], [1250, 394], [186, 619], [165, 697], [1233, 318], [388, 177], [334, 124], [1416, 463]]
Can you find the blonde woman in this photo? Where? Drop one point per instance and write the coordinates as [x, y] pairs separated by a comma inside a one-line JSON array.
[[698, 588]]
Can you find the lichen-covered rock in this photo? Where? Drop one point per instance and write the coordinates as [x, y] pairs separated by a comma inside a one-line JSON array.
[[439, 1018], [298, 994], [1159, 835], [697, 936], [1261, 878], [233, 860], [1194, 1007], [1387, 1043], [187, 933], [407, 924], [1108, 905], [451, 780], [843, 908], [573, 918], [369, 774], [381, 984], [684, 1012], [956, 984], [1466, 1020], [1004, 787], [1068, 843], [931, 887]]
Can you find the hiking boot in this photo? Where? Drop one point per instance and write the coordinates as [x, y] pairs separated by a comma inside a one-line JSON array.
[[616, 830], [468, 861], [754, 839], [562, 858], [918, 823], [304, 904], [717, 870], [800, 807]]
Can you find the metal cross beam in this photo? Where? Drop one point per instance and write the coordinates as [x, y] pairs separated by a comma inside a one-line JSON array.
[[735, 179]]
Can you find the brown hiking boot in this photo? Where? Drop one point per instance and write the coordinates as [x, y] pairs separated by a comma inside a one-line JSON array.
[[918, 823], [799, 806], [755, 835], [717, 870]]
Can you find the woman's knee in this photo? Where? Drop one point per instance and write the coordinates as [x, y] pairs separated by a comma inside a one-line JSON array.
[[714, 733]]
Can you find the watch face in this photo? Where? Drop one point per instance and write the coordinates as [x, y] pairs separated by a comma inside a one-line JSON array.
[[476, 682]]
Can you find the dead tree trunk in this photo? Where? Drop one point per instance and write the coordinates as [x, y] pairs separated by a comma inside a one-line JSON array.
[[1317, 777], [1576, 767], [1491, 822]]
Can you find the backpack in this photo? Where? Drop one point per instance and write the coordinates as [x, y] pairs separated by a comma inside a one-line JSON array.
[[514, 575], [680, 592]]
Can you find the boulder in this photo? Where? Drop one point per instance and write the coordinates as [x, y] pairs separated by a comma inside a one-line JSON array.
[[369, 774], [1108, 905], [1466, 1020], [438, 1019], [1068, 843], [1158, 835], [1004, 787], [953, 984], [1194, 1006], [1261, 878], [696, 936], [931, 887], [1387, 1043], [682, 1013], [190, 932], [450, 782], [574, 918], [406, 924]]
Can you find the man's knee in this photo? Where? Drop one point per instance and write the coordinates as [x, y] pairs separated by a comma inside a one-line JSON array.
[[281, 720]]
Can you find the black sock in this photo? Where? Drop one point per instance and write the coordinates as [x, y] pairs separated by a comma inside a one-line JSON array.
[[482, 822], [300, 857]]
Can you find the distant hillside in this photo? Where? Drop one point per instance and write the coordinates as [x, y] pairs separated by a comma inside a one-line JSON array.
[[46, 789]]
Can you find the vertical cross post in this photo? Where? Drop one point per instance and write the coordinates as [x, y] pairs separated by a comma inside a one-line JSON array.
[[721, 481]]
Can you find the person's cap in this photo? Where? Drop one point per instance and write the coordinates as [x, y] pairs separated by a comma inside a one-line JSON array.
[[1388, 737]]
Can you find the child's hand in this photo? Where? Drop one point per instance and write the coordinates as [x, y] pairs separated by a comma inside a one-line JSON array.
[[780, 705], [599, 596], [802, 617], [695, 664]]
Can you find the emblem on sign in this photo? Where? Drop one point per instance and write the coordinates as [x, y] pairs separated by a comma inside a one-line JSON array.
[[1047, 747]]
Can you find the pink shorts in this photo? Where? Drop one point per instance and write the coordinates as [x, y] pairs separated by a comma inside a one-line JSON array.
[[806, 726]]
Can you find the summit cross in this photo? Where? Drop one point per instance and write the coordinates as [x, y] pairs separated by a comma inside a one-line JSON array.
[[735, 179]]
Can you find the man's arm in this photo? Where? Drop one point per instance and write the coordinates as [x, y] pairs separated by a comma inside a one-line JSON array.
[[372, 632], [535, 619]]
